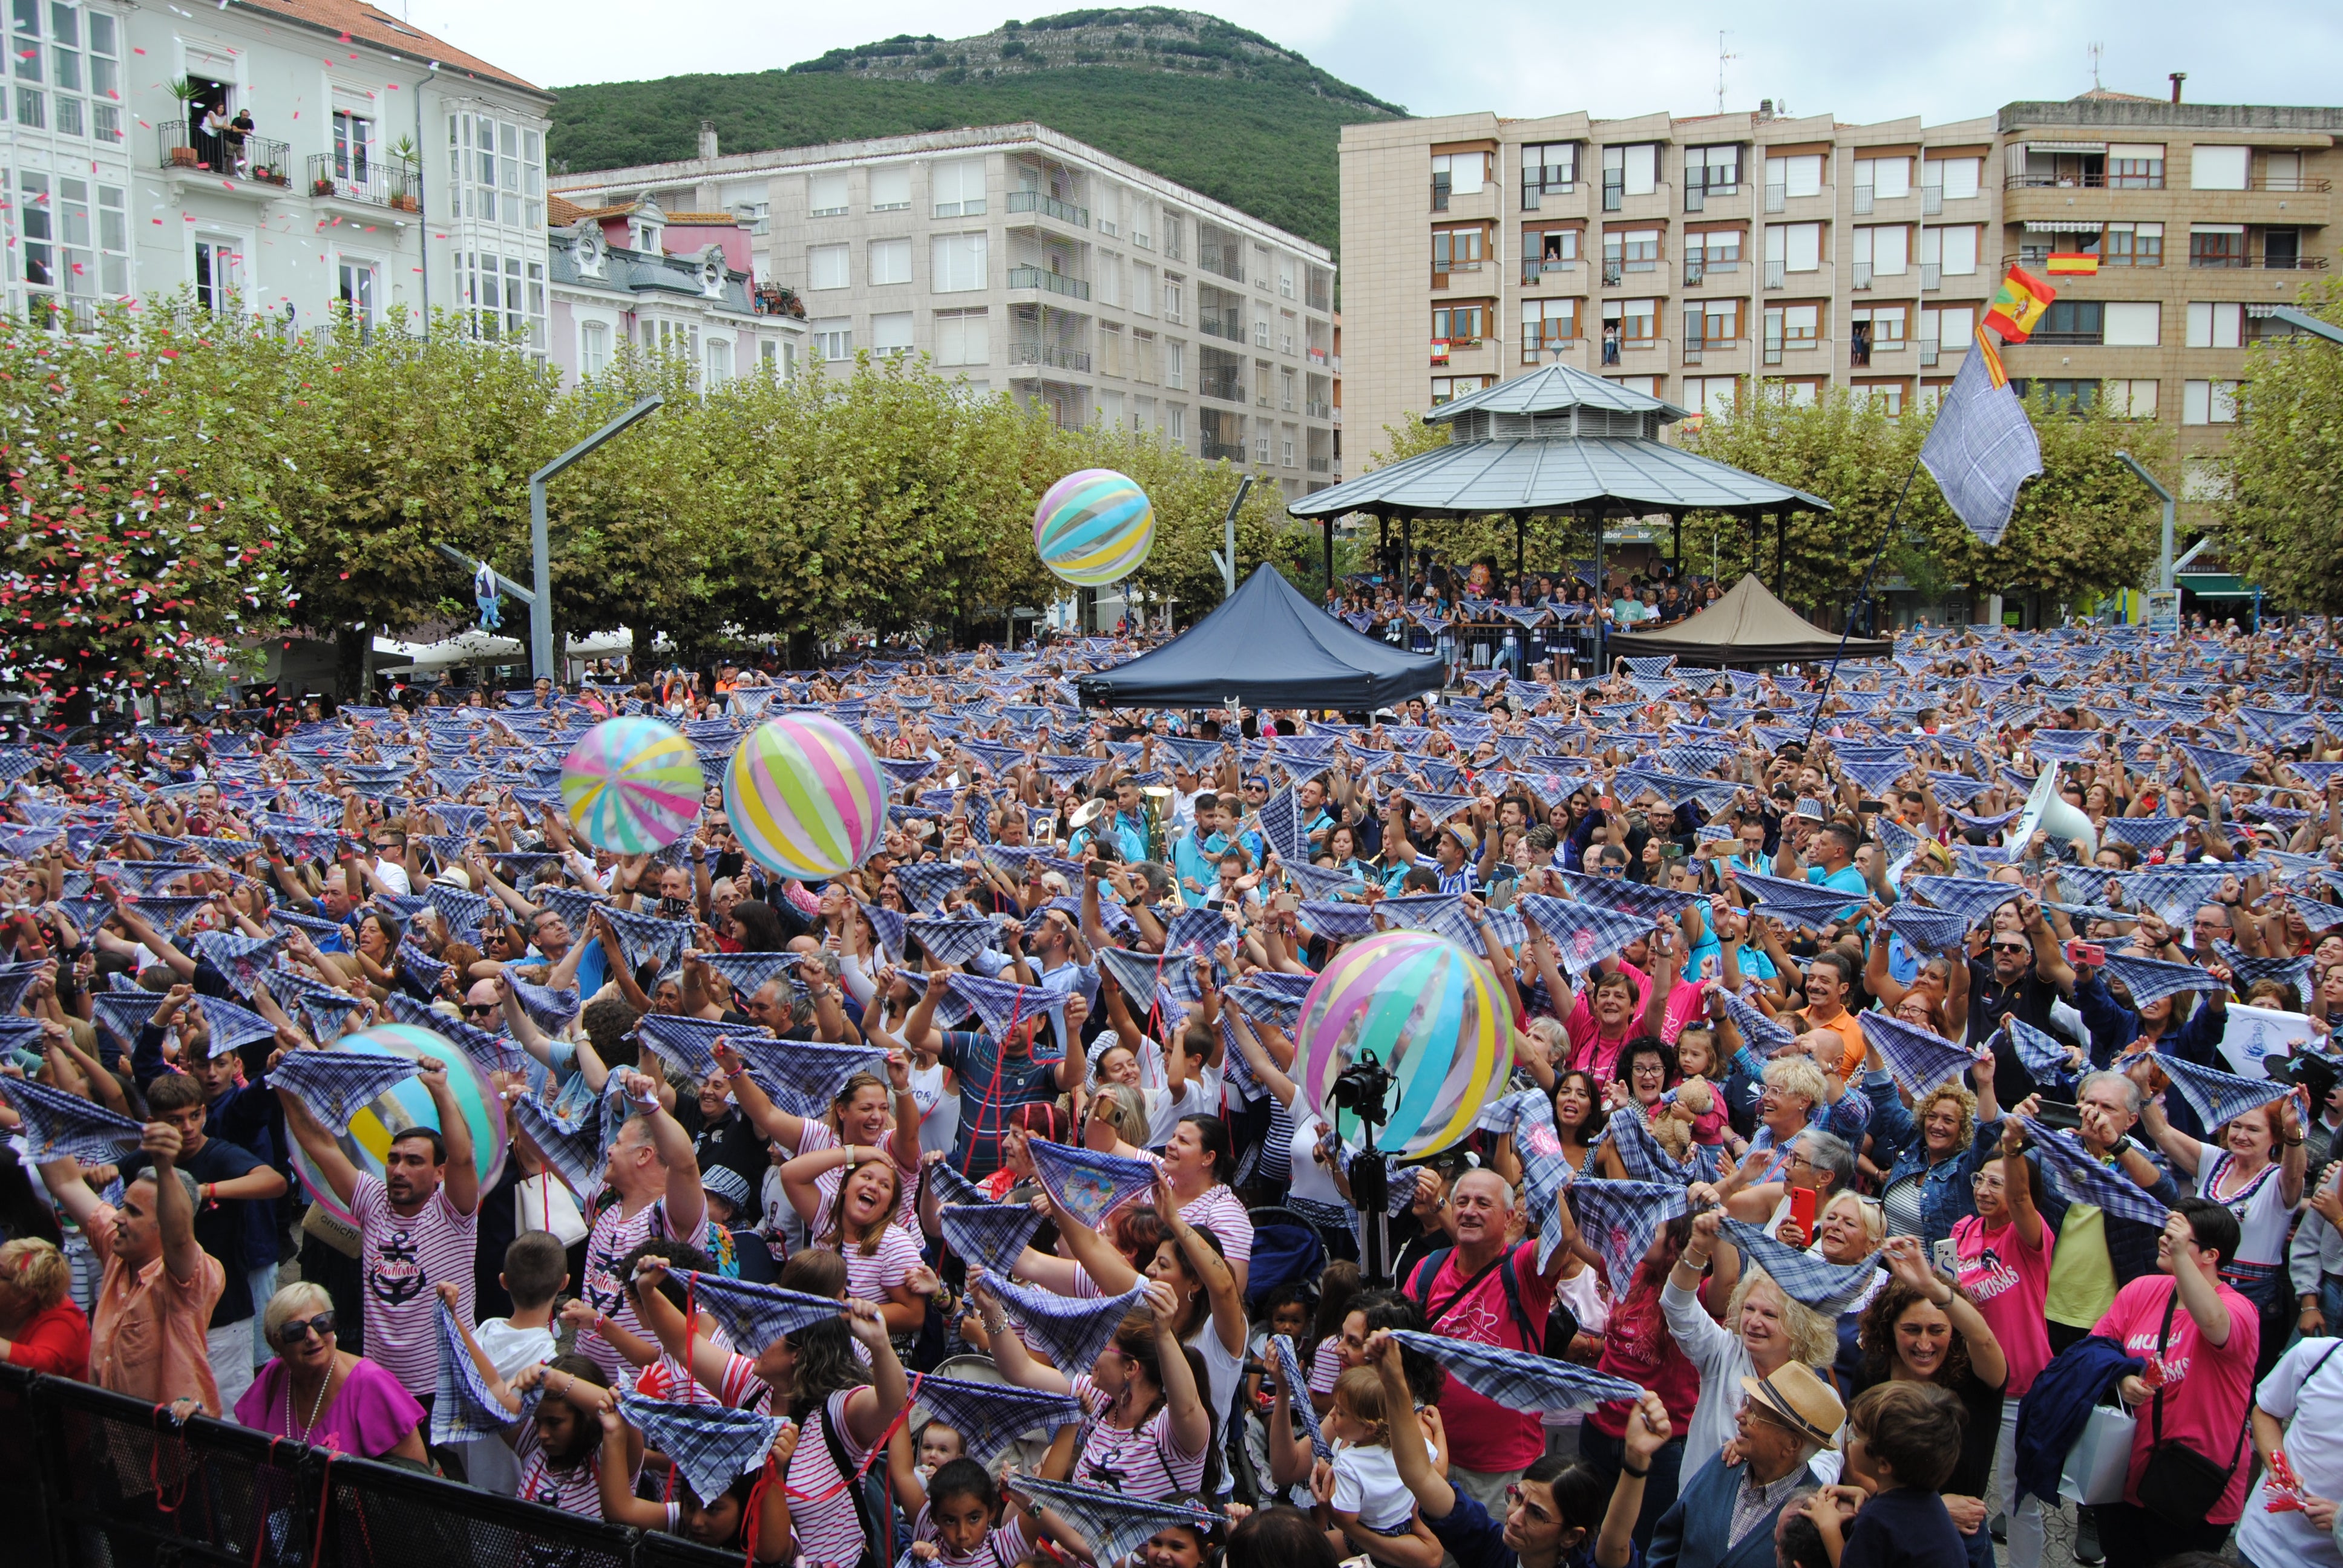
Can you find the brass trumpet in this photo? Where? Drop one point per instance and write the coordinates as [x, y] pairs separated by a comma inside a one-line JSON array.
[[1155, 814]]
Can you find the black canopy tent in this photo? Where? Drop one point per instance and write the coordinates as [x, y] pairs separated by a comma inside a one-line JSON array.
[[1266, 647], [1747, 626]]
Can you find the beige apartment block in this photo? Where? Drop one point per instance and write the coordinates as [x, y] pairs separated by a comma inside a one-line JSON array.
[[1689, 256], [1028, 262]]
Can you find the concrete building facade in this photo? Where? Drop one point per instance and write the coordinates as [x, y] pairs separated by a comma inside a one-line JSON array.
[[1027, 262], [1692, 256]]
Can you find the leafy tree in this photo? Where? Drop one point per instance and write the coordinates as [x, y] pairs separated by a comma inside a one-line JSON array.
[[146, 549], [2282, 521]]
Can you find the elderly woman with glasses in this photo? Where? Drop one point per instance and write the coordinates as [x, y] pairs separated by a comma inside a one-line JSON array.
[[317, 1393]]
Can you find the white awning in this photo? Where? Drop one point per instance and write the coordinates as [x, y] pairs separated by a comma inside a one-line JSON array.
[[2217, 228], [2035, 146], [2062, 225]]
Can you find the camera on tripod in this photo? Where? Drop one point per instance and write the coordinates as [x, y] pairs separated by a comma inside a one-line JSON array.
[[1363, 1088]]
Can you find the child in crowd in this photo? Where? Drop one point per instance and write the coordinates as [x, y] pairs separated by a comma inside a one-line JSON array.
[[1370, 1502], [536, 1272], [1905, 1440], [964, 1521]]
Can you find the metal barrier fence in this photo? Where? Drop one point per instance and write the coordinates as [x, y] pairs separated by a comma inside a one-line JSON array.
[[95, 1480]]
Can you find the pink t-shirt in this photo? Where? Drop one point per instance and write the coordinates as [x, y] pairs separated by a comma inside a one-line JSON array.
[[2008, 1281], [1482, 1434], [2207, 1387], [370, 1414], [1596, 1056]]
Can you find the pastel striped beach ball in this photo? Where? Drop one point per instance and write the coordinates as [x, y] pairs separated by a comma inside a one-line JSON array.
[[631, 785], [1094, 527], [366, 1144], [1431, 1015], [805, 797]]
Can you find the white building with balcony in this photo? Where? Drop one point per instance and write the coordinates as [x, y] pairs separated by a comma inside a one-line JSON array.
[[1030, 261], [275, 157]]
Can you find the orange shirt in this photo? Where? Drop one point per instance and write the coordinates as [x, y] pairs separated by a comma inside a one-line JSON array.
[[1850, 1034], [147, 1336]]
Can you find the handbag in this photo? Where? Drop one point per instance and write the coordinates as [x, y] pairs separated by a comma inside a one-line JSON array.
[[542, 1203], [2181, 1486]]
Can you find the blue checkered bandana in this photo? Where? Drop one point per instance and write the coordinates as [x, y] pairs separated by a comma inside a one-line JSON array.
[[1620, 1218], [461, 1405], [55, 1124], [755, 1315], [1520, 1380], [336, 1085], [1295, 1389], [1086, 1183], [1071, 1330], [2217, 1096], [1829, 1288], [1919, 1058], [711, 1444], [991, 1236], [990, 1416], [1114, 1525], [2068, 1166]]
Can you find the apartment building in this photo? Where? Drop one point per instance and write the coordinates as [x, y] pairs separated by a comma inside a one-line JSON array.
[[1687, 257], [280, 159], [1028, 262], [680, 283]]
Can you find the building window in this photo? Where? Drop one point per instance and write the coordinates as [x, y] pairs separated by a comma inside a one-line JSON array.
[[964, 337], [353, 145], [1548, 168], [1713, 323], [956, 263], [832, 337], [1630, 250], [2133, 324], [354, 288], [891, 188], [890, 333], [1455, 175], [2218, 169], [2061, 394], [1548, 250], [1460, 325], [1633, 169], [1705, 395], [497, 171], [593, 347], [2217, 245], [958, 188], [1547, 323], [1448, 388], [720, 362], [1800, 175], [1887, 395], [1881, 251], [219, 267], [1710, 172], [2128, 399], [2133, 245], [1175, 365], [1793, 247], [1636, 322], [826, 195], [1461, 249], [826, 266], [890, 261], [2134, 167], [2216, 324], [757, 215], [504, 296], [2073, 321]]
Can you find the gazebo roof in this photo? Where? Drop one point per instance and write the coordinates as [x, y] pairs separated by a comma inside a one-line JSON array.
[[1555, 440]]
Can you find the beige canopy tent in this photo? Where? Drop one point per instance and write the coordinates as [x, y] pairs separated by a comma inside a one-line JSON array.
[[1747, 626]]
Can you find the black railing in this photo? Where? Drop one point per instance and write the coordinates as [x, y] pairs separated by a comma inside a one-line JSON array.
[[88, 1476], [253, 158], [392, 183]]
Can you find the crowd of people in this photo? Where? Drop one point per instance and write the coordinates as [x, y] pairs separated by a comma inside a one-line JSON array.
[[1919, 1123]]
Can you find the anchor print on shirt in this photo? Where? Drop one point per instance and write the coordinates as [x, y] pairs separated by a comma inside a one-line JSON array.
[[397, 1277]]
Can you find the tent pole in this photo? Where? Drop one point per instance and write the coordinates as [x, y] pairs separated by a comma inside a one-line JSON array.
[[1861, 594], [1330, 599], [1601, 594], [1383, 543], [1676, 521]]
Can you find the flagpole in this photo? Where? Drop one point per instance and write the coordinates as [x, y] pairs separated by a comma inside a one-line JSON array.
[[1861, 594]]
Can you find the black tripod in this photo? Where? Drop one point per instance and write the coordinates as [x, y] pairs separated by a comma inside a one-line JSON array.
[[1362, 1089]]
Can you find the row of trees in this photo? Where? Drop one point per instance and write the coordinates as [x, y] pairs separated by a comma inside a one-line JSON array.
[[2083, 529], [2282, 485], [186, 487]]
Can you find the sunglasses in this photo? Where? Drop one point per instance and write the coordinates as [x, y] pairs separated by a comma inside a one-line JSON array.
[[295, 1331], [2011, 947], [474, 1008]]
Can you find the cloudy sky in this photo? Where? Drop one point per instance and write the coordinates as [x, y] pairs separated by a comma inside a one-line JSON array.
[[1858, 61]]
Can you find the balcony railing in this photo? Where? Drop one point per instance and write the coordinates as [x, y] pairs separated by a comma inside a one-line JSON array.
[[1773, 349], [2068, 339], [1932, 200], [1776, 196], [1862, 270], [1932, 276], [1056, 355], [1696, 194], [1536, 267], [1927, 353], [1215, 451], [2262, 263], [1777, 274], [1315, 410], [394, 184], [250, 158], [1048, 206], [1230, 331], [1862, 200], [1054, 281], [1321, 465], [2299, 183], [2036, 182], [1316, 356], [1223, 388], [1614, 275], [1615, 195]]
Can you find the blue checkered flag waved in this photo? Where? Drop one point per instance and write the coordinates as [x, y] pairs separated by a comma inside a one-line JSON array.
[[647, 938], [1919, 1058], [1281, 825], [1442, 914], [1071, 1330], [1084, 1182], [333, 1086], [686, 1044], [1319, 881], [803, 1076], [1519, 1379], [1003, 1005], [1335, 922], [950, 941], [1582, 934], [1295, 1389], [2153, 980], [2070, 1168], [991, 1236], [461, 1405], [56, 1123], [1115, 1526], [751, 1314], [548, 1009], [495, 1052], [1974, 899], [1760, 1033], [231, 1026], [2216, 1097], [2245, 968], [1829, 1288], [2048, 1060], [1925, 930], [990, 1416], [1809, 904], [926, 883], [712, 1445], [1640, 1154], [1645, 899], [1620, 1218], [572, 1145], [240, 960], [747, 973]]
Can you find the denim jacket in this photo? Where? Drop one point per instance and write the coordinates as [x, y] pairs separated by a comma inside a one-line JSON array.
[[1946, 1198]]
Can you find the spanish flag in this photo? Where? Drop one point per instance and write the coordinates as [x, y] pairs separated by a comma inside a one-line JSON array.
[[2017, 305], [2075, 263]]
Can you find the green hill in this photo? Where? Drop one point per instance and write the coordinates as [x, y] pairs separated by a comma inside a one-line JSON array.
[[1185, 95]]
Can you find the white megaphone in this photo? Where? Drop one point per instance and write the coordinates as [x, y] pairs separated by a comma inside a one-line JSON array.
[[2046, 812]]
